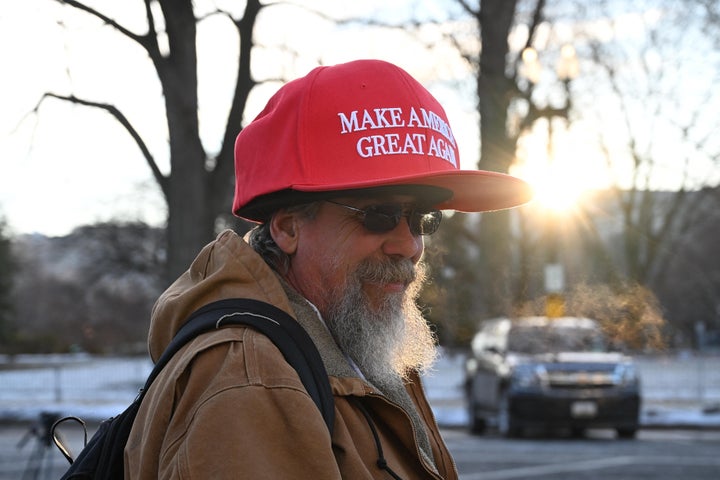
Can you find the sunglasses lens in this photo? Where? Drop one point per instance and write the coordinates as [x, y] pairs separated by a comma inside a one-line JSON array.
[[382, 218], [385, 217], [424, 223]]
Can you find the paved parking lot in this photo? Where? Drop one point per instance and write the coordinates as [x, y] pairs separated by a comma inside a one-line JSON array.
[[655, 454]]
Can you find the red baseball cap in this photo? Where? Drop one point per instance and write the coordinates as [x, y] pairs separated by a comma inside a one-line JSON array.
[[361, 125]]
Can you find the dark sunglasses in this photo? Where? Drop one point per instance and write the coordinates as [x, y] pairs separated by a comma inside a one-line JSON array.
[[386, 216]]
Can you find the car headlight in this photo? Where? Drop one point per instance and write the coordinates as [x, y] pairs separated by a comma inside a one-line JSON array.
[[529, 375], [625, 374]]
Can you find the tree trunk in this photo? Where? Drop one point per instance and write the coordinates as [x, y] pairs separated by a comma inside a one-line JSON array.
[[496, 151], [190, 218]]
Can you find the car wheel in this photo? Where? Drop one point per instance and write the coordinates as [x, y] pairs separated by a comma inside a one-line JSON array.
[[476, 424], [627, 433], [507, 426]]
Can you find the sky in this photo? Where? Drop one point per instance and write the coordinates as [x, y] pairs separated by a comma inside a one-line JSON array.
[[62, 166], [65, 165]]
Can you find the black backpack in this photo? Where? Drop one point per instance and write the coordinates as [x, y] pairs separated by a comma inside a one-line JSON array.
[[102, 457]]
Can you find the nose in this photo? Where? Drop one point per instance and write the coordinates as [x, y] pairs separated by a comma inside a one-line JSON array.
[[401, 242]]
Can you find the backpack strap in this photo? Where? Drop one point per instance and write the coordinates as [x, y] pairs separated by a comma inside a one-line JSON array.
[[291, 339], [103, 456]]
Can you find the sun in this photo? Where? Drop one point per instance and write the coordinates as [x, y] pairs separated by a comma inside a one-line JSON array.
[[560, 175], [557, 190]]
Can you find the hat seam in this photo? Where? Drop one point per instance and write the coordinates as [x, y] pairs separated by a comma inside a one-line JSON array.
[[308, 171]]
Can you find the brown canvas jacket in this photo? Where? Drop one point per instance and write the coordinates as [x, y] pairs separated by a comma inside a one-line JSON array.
[[229, 406]]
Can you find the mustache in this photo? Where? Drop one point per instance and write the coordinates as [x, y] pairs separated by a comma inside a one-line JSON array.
[[388, 271]]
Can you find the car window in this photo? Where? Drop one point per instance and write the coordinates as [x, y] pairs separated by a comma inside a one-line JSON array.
[[541, 339]]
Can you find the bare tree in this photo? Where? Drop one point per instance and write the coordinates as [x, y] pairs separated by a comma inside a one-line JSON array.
[[7, 273], [198, 188], [494, 281], [666, 146], [644, 84], [93, 289], [500, 88]]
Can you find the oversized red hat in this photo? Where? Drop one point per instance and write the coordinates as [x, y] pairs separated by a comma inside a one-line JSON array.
[[355, 126]]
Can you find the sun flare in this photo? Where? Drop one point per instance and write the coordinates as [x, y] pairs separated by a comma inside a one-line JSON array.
[[557, 191], [560, 174], [558, 188]]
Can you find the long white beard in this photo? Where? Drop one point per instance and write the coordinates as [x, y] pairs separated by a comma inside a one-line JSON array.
[[389, 341]]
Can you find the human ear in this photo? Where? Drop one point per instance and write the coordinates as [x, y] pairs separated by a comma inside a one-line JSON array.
[[284, 230]]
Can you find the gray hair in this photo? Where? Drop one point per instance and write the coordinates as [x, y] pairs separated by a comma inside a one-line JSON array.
[[262, 242]]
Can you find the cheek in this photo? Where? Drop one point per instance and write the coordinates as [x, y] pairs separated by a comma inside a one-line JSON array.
[[331, 254], [327, 256], [320, 279], [319, 268], [332, 267]]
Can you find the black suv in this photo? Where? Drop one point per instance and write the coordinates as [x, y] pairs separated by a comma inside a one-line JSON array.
[[539, 372]]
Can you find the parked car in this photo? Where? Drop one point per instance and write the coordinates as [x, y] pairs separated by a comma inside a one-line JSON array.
[[540, 372]]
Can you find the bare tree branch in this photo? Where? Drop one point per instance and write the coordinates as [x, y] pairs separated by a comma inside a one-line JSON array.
[[468, 9], [107, 20], [148, 41], [653, 221], [537, 19], [244, 84], [120, 117]]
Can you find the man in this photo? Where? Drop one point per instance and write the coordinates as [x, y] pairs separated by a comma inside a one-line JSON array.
[[345, 170]]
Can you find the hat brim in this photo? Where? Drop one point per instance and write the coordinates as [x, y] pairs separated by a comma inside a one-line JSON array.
[[461, 190], [476, 190], [261, 208]]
